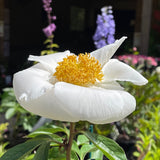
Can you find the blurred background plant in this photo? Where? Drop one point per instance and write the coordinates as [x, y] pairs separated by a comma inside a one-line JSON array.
[[23, 120], [141, 62], [146, 113], [3, 143], [148, 139], [48, 31], [105, 30]]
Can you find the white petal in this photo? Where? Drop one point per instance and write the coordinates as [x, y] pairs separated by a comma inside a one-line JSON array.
[[110, 85], [105, 53], [116, 70], [48, 106], [95, 105], [50, 61], [31, 83]]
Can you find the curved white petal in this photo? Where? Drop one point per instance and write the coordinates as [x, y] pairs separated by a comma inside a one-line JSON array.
[[50, 61], [105, 53], [94, 105], [31, 83], [48, 106], [110, 85], [116, 70]]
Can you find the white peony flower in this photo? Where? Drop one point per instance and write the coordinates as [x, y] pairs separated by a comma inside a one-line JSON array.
[[71, 88]]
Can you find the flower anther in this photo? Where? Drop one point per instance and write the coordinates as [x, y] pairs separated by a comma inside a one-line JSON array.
[[79, 70]]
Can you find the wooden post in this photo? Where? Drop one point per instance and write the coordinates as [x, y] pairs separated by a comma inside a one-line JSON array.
[[1, 29], [145, 25]]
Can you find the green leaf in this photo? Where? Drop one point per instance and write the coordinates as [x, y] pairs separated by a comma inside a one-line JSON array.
[[10, 113], [97, 155], [21, 150], [47, 131], [30, 157], [42, 152], [52, 45], [82, 139], [8, 90], [44, 52], [109, 147], [75, 148], [8, 104], [56, 153], [136, 154], [53, 138], [47, 41], [55, 45], [57, 138], [74, 156], [86, 149]]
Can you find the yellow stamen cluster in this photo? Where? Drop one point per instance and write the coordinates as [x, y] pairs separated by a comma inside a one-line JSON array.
[[82, 70]]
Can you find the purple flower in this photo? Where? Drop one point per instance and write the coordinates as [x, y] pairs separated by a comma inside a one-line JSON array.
[[49, 29], [51, 26], [111, 31], [105, 30], [54, 17], [46, 5], [100, 43], [110, 39]]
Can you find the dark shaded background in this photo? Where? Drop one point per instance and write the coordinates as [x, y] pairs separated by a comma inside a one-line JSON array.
[[27, 18]]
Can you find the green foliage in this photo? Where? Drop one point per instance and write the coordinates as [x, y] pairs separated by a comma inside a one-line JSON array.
[[3, 128], [42, 151], [144, 121], [49, 143], [46, 144], [48, 130], [104, 129], [49, 46], [97, 155], [21, 150], [145, 96], [46, 52], [2, 148], [11, 108], [82, 147], [148, 145], [109, 147]]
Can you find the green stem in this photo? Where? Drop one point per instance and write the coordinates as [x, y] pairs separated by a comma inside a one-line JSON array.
[[69, 145]]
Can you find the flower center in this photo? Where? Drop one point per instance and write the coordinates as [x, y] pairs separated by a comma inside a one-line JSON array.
[[82, 70]]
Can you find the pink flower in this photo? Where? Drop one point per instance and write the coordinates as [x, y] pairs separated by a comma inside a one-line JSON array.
[[135, 60], [151, 61], [134, 49], [138, 59]]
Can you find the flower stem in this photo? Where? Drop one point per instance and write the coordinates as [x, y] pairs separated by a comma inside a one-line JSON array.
[[69, 145], [49, 22]]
